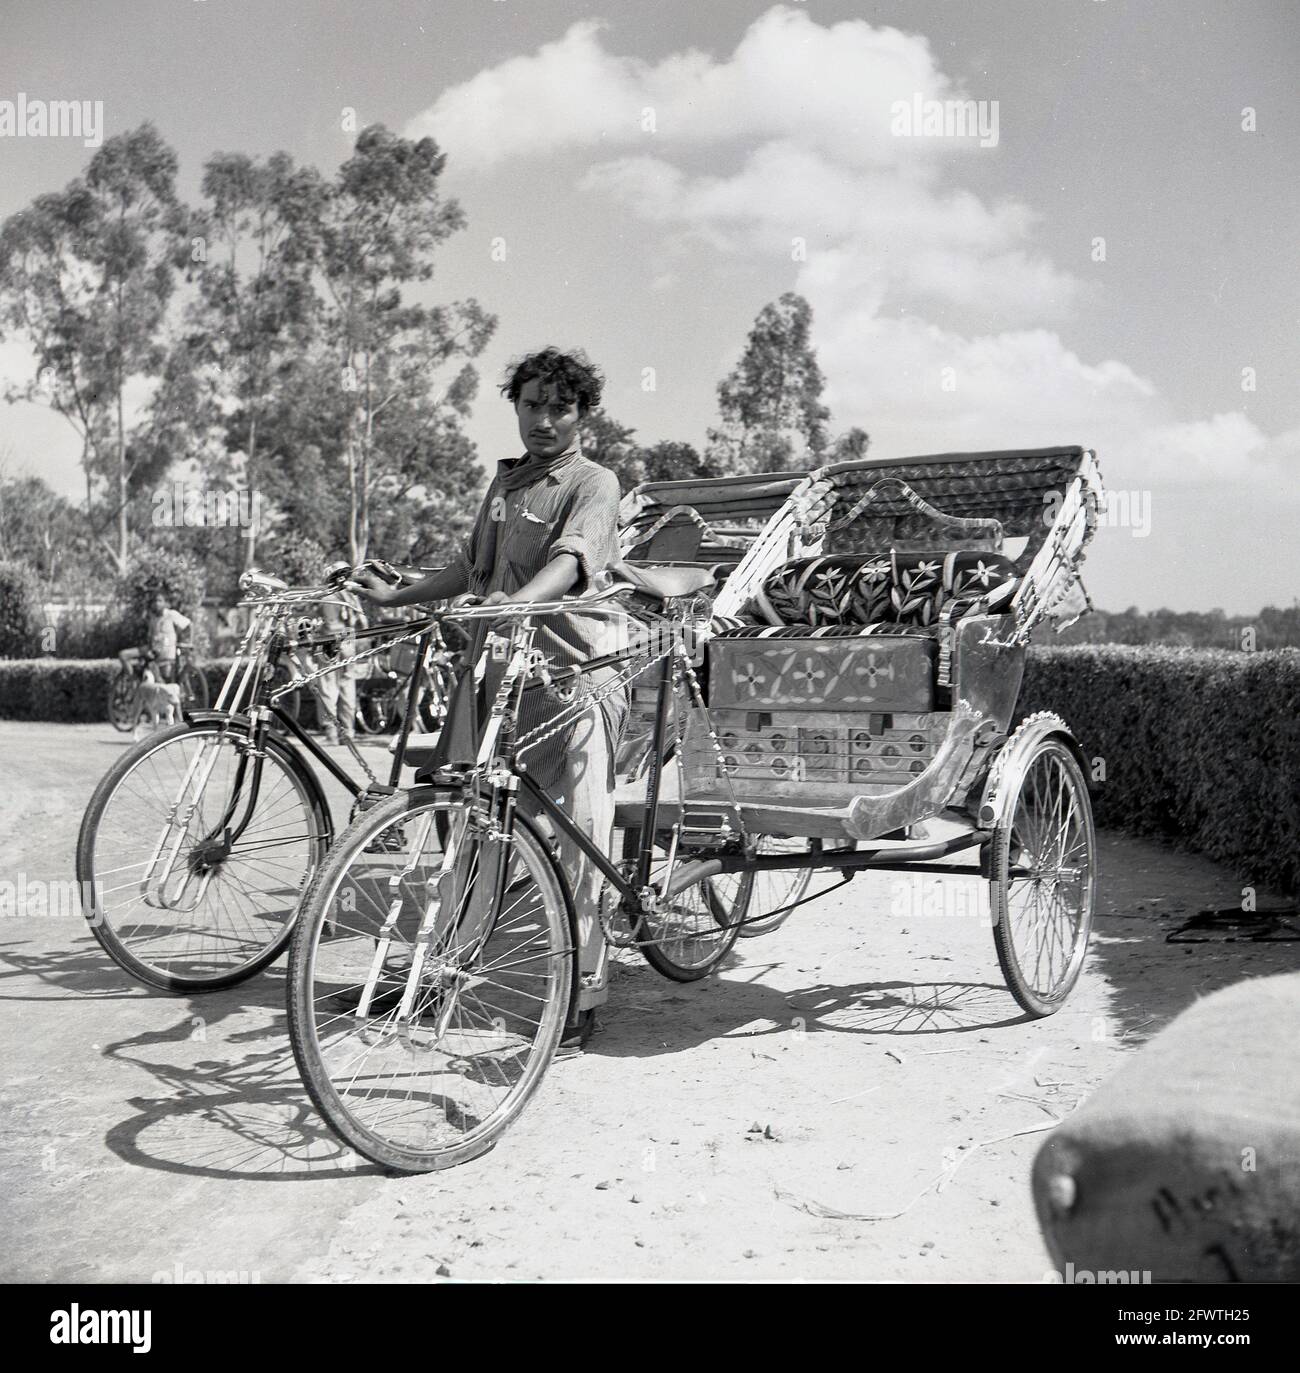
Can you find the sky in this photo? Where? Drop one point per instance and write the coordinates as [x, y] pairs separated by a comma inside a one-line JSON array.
[[1119, 268]]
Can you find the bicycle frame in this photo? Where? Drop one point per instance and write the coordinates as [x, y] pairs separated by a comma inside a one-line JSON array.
[[247, 703]]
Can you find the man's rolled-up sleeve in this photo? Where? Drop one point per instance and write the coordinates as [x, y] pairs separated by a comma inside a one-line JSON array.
[[590, 528]]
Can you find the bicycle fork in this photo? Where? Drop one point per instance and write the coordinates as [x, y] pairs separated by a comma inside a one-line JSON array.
[[164, 886]]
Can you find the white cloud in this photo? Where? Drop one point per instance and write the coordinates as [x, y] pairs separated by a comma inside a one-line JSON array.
[[894, 243], [831, 87], [899, 239]]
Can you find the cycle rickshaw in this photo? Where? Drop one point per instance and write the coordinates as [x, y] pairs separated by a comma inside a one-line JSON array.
[[851, 683]]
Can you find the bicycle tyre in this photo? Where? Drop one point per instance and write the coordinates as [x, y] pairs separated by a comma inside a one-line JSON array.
[[331, 923], [194, 688], [123, 706], [712, 911], [375, 711], [91, 873], [1042, 919], [778, 889]]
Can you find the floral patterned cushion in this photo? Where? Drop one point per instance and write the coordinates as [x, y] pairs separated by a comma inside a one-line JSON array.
[[916, 588], [898, 589]]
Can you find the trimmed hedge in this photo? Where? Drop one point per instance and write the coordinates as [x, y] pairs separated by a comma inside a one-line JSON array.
[[1198, 744], [1202, 745], [72, 691]]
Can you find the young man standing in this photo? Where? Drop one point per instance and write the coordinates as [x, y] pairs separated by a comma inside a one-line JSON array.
[[548, 524]]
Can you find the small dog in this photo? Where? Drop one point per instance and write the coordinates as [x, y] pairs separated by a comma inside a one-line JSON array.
[[160, 702]]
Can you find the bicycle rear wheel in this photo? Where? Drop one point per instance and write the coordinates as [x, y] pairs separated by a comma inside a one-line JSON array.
[[696, 932], [123, 707], [428, 987], [172, 893], [776, 890], [377, 710]]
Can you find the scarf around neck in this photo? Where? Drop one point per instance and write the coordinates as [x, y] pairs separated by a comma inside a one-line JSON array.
[[512, 477]]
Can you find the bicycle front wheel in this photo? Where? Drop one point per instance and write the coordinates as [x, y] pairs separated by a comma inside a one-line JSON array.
[[191, 858], [428, 981]]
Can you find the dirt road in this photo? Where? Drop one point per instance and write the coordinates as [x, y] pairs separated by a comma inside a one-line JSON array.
[[855, 1096]]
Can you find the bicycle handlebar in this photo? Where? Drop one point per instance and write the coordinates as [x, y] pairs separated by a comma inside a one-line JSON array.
[[593, 600]]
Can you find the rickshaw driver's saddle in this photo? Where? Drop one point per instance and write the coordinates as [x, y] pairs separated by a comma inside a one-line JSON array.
[[662, 583]]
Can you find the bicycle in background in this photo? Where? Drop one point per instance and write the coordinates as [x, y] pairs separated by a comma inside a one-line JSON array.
[[124, 694]]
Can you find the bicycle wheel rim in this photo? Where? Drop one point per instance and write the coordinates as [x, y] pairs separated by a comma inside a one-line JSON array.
[[145, 894], [435, 1082], [121, 702], [1042, 921]]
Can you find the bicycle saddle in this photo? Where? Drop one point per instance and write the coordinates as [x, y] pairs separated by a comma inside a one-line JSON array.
[[663, 582]]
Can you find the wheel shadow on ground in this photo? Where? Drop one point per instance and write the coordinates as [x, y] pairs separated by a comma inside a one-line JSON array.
[[232, 1116], [83, 971], [644, 1021]]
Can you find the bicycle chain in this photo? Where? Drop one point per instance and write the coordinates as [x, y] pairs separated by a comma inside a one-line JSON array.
[[345, 735]]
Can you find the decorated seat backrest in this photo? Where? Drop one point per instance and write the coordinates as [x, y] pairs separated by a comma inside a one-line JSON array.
[[701, 519], [1035, 506], [1020, 491]]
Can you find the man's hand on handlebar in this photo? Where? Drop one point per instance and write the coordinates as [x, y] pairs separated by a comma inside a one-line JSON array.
[[366, 582]]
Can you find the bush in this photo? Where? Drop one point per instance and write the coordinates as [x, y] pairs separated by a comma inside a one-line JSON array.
[[21, 611], [178, 577], [299, 559], [85, 633], [1197, 744]]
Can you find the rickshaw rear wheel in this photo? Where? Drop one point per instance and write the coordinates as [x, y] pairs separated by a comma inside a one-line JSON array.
[[1042, 871], [777, 890]]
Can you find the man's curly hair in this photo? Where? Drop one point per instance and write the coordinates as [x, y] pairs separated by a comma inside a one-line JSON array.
[[574, 376]]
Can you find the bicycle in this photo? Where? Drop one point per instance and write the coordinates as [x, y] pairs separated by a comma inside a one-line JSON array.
[[382, 699], [197, 844], [124, 686], [436, 941]]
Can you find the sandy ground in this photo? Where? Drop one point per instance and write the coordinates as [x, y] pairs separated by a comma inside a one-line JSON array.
[[855, 1096]]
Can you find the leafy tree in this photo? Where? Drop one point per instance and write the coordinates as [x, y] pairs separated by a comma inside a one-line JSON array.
[[40, 528], [770, 404], [176, 576], [256, 308], [383, 219], [86, 275], [670, 461], [298, 558], [20, 611], [610, 444], [851, 446]]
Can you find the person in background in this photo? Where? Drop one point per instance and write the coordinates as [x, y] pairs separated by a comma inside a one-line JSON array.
[[337, 690], [160, 638]]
